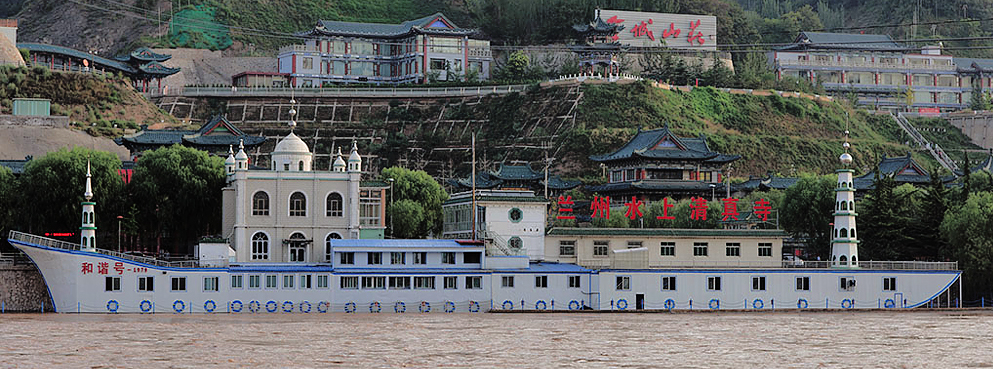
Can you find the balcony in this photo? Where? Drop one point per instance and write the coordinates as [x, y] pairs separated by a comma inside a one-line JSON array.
[[834, 64]]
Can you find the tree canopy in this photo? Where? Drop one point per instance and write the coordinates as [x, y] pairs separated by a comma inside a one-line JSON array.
[[422, 190]]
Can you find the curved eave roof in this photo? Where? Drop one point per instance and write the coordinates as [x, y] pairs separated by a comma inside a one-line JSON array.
[[154, 68], [43, 48], [224, 140], [654, 185], [146, 54], [412, 27]]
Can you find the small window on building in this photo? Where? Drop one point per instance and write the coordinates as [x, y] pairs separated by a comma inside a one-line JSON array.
[[210, 284], [623, 283], [424, 283], [600, 248], [889, 284], [346, 258], [765, 249], [668, 249], [308, 63], [374, 283], [399, 283], [733, 249], [179, 283], [146, 284], [451, 283], [515, 243], [298, 204], [398, 258], [349, 283], [437, 64], [236, 281], [473, 283], [288, 281], [305, 281], [448, 258], [472, 257], [575, 281], [270, 281], [634, 244], [420, 258], [541, 281], [374, 258], [669, 283], [322, 281], [254, 281], [334, 205], [515, 215], [260, 203], [847, 283], [803, 283], [713, 283], [699, 249], [507, 281], [758, 283], [567, 248], [112, 284]]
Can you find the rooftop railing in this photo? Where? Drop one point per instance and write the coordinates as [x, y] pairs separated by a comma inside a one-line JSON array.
[[58, 244], [602, 263]]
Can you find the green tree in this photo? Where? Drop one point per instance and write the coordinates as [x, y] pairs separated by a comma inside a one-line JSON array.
[[408, 219], [515, 69], [978, 100], [421, 189], [177, 189], [8, 200], [616, 220], [969, 229], [808, 210], [51, 188]]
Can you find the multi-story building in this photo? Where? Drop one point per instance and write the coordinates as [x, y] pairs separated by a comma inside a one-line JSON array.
[[882, 72], [509, 221], [415, 51]]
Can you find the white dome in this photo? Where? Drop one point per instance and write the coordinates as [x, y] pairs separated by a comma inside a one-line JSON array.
[[229, 160], [846, 159], [292, 144], [354, 156], [339, 163]]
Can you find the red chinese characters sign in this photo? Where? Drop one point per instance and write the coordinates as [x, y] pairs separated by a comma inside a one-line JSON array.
[[678, 31], [104, 268], [600, 208]]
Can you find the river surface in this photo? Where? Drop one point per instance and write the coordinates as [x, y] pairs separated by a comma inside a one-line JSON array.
[[920, 339]]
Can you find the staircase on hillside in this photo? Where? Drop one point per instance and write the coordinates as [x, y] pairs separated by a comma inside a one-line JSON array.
[[932, 147]]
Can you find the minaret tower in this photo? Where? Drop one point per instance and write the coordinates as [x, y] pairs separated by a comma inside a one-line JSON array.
[[88, 231], [845, 244]]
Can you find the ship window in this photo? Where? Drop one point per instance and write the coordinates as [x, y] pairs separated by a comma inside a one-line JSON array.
[[346, 258], [623, 283], [112, 284], [270, 281], [541, 281], [146, 284], [298, 205], [451, 283], [758, 283], [843, 259], [575, 281], [210, 284], [179, 283], [254, 281], [237, 281], [669, 283], [507, 281], [374, 283], [288, 281], [349, 283], [424, 283], [803, 283], [399, 283], [322, 281], [260, 203], [847, 283], [374, 258], [305, 281], [472, 257], [260, 246], [713, 283], [334, 205], [889, 284], [448, 258], [473, 283], [420, 258]]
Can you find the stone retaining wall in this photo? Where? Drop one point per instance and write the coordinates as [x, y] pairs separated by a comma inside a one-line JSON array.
[[34, 120], [22, 289]]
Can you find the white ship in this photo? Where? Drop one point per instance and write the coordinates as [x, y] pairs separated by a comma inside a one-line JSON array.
[[356, 271]]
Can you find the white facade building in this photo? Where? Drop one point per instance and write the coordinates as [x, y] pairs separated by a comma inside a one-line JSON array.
[[510, 221]]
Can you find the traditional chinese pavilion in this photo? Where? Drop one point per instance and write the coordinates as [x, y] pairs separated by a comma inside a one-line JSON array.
[[600, 51], [656, 164], [516, 177], [147, 66], [903, 169], [216, 137]]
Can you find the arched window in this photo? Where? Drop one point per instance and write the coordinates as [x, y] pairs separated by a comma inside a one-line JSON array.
[[843, 260], [260, 246], [93, 241], [855, 259], [836, 233], [853, 233], [298, 205], [327, 246], [844, 233], [851, 205], [334, 205], [84, 242], [260, 203], [300, 166], [298, 247], [844, 205]]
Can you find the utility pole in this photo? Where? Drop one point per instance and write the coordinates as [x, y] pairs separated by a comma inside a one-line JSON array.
[[473, 216]]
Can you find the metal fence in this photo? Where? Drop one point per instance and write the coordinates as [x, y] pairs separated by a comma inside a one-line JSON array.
[[602, 263], [191, 91], [53, 243]]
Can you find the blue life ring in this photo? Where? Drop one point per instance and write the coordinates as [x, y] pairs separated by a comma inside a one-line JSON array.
[[540, 305], [271, 306], [209, 306], [322, 307], [889, 304], [449, 307], [669, 304], [145, 306], [471, 304], [508, 305], [112, 306], [179, 306], [619, 307], [574, 305], [758, 304], [425, 307], [399, 307], [287, 306], [715, 304], [801, 304], [307, 303], [375, 307], [254, 306], [350, 307], [847, 303], [236, 306]]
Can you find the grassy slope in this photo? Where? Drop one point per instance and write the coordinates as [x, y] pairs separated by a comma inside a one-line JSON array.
[[94, 102], [771, 133]]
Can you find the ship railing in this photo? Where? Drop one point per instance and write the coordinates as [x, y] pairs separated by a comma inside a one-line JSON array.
[[604, 263], [58, 244]]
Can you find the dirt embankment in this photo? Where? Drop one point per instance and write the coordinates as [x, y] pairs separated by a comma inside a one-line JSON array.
[[16, 142]]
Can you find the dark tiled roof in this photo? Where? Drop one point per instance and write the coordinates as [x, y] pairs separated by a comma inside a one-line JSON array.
[[654, 185], [569, 231], [515, 173], [497, 198], [154, 68], [204, 136], [598, 26], [643, 145], [973, 64], [844, 41], [145, 54], [32, 47], [556, 183], [767, 183], [420, 25], [895, 168]]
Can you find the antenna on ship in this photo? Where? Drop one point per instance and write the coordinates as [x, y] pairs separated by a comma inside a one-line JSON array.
[[474, 235]]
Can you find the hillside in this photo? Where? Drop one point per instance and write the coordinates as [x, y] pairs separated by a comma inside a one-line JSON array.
[[96, 103]]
